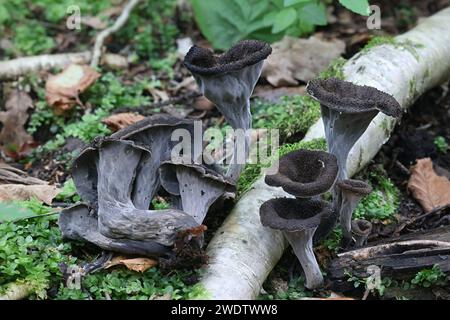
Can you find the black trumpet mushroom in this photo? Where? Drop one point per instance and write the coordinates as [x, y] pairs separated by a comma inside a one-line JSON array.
[[197, 185], [119, 225], [305, 173], [351, 193], [155, 134], [361, 230], [298, 219], [308, 174], [347, 110], [228, 81]]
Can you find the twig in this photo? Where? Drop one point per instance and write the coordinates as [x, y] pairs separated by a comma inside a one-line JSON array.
[[429, 213], [97, 51]]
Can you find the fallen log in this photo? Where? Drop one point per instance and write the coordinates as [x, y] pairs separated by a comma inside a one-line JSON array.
[[242, 252], [400, 260]]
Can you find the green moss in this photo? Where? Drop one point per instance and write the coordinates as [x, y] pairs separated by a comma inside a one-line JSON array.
[[32, 250], [285, 115], [334, 70], [407, 45], [412, 88], [441, 144], [384, 200], [252, 171]]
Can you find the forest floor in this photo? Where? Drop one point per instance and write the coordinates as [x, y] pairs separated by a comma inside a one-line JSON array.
[[154, 80]]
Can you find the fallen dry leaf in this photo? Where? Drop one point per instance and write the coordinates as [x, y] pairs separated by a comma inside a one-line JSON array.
[[294, 59], [45, 193], [62, 90], [136, 264], [122, 120], [14, 139], [432, 191]]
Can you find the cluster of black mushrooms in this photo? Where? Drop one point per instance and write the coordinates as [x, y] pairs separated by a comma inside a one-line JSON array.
[[118, 176], [347, 110]]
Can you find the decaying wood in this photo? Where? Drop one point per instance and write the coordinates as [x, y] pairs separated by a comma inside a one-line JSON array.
[[11, 175], [399, 260], [12, 69]]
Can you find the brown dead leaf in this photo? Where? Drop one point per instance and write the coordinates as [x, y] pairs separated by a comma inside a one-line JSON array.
[[294, 59], [136, 264], [45, 193], [122, 120], [432, 191], [14, 139], [62, 90]]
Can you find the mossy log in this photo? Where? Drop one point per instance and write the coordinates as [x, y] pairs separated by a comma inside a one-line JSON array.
[[243, 252]]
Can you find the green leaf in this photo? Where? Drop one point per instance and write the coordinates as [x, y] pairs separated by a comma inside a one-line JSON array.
[[288, 3], [358, 6], [12, 212], [313, 13], [284, 19], [224, 23]]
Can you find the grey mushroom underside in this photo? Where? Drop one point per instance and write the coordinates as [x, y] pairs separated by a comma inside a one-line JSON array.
[[146, 184], [85, 176], [78, 223], [118, 217], [231, 93], [342, 130], [348, 205], [301, 243], [197, 193]]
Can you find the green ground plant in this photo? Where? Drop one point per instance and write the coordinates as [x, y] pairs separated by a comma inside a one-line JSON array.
[[383, 202], [32, 250], [430, 277], [224, 23], [441, 144]]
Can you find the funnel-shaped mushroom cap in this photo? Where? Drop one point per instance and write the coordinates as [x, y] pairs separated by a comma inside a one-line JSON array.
[[155, 134], [305, 173], [356, 187], [298, 219], [245, 53], [361, 227], [228, 81], [289, 214], [346, 97], [347, 110], [198, 186]]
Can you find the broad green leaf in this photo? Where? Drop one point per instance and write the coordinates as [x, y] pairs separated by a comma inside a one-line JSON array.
[[284, 19], [279, 4], [313, 13], [358, 6], [288, 3], [11, 212], [224, 23]]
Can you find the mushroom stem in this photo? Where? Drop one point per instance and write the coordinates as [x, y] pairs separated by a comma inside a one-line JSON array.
[[348, 205], [301, 242], [342, 131]]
